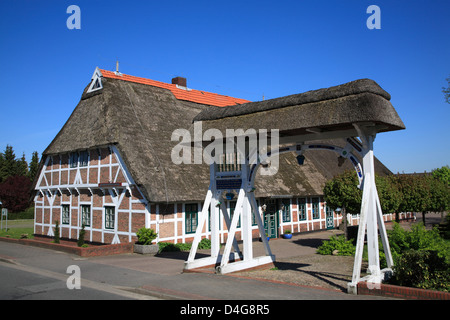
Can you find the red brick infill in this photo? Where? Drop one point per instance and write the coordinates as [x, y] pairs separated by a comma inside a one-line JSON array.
[[388, 290], [91, 251]]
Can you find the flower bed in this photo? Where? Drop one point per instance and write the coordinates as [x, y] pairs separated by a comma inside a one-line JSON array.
[[71, 246]]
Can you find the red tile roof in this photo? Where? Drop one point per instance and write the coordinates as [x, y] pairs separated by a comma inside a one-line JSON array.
[[192, 95]]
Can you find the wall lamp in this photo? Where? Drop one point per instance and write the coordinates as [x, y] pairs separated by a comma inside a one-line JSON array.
[[300, 159]]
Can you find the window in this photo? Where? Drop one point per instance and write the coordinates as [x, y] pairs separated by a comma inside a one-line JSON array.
[[315, 208], [65, 209], [74, 159], [86, 215], [191, 217], [286, 210], [302, 209], [110, 217], [84, 158]]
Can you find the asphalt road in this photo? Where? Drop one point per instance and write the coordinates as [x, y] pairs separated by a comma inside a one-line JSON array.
[[34, 273]]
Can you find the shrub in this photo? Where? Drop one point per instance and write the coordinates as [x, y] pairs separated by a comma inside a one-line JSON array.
[[204, 244], [56, 239], [146, 236], [173, 247], [423, 269], [418, 238], [344, 247], [421, 258], [80, 241]]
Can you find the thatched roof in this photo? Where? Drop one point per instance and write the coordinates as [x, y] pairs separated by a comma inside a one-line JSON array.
[[140, 118], [331, 109]]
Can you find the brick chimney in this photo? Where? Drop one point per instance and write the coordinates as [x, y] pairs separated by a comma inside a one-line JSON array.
[[180, 81]]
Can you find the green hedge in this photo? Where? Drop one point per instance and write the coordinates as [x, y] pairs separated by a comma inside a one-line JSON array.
[[174, 247], [343, 247], [27, 214]]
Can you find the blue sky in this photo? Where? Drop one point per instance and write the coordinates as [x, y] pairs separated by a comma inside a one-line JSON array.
[[245, 49]]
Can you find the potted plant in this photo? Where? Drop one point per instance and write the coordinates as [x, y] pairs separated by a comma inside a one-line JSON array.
[[287, 234], [267, 236], [144, 244]]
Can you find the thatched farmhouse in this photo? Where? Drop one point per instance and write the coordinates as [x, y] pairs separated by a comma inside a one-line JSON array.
[[110, 167]]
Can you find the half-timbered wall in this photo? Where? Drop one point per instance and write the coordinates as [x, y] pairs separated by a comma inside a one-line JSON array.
[[91, 187]]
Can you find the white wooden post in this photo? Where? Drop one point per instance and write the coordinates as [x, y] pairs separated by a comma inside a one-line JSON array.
[[371, 217], [198, 234]]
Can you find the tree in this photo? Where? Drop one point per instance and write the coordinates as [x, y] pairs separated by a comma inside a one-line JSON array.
[[446, 91], [342, 192], [9, 164], [442, 174], [15, 193], [80, 241], [389, 194], [416, 193], [57, 238], [21, 167], [34, 166]]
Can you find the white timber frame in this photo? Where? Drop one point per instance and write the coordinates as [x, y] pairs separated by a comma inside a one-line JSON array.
[[49, 186], [371, 216]]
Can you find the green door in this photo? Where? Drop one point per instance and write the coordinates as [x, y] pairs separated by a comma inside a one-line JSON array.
[[271, 218]]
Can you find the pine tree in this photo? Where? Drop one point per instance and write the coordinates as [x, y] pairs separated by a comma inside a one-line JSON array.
[[80, 241], [21, 167], [34, 166], [56, 239], [9, 164]]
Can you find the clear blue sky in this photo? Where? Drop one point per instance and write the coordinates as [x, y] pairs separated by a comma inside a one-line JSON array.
[[245, 49]]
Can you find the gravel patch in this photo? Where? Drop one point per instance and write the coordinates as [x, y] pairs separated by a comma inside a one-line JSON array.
[[332, 272]]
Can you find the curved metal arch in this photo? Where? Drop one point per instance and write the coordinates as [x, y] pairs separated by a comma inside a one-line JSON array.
[[346, 152]]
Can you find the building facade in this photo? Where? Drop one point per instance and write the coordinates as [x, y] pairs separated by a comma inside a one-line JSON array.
[[109, 170]]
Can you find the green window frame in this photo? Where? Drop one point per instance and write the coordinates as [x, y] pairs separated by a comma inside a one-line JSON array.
[[65, 214], [86, 215], [315, 208], [286, 210], [301, 209], [110, 218], [191, 217]]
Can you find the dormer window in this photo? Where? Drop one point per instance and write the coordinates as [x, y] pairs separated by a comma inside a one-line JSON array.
[[96, 83]]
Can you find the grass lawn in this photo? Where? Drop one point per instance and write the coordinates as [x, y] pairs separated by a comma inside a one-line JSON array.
[[16, 228]]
